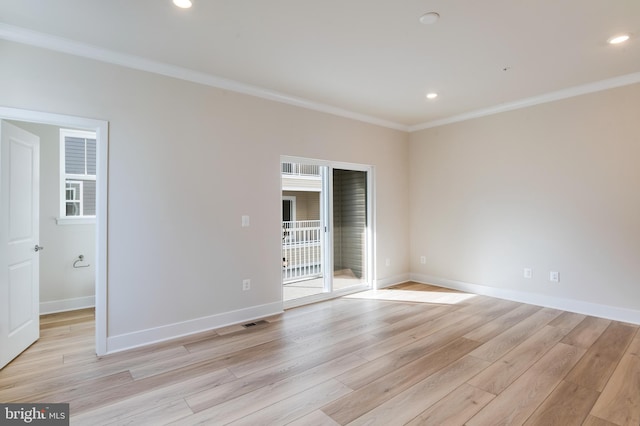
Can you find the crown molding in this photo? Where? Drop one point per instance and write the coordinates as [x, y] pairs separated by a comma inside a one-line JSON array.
[[570, 92], [85, 50], [71, 47]]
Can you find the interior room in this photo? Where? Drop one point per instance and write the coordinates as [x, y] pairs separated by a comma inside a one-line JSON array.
[[469, 202]]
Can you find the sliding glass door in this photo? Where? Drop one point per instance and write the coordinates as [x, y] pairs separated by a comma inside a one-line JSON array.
[[326, 230]]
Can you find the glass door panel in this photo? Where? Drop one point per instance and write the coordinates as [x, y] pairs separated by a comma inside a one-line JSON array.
[[303, 230], [350, 224]]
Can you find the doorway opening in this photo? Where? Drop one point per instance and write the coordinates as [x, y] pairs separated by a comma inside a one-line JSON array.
[[100, 129], [326, 229]]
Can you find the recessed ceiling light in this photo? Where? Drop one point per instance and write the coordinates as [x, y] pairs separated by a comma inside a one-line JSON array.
[[429, 18], [619, 39], [432, 95], [184, 4]]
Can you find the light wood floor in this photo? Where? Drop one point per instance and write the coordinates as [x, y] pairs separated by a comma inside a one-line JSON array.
[[427, 356]]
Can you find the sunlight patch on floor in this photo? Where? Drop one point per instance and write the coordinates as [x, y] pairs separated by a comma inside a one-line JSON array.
[[436, 297]]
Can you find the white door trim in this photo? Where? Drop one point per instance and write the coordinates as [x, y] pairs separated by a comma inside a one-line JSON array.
[[102, 137]]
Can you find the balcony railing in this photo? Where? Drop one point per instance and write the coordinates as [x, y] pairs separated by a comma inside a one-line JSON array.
[[296, 169], [301, 250]]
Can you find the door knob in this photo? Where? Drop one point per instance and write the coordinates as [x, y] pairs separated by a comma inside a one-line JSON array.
[[38, 248]]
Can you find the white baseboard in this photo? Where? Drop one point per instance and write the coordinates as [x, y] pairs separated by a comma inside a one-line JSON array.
[[67, 305], [388, 282], [171, 331], [571, 305]]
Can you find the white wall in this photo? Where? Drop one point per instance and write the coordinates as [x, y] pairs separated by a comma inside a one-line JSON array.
[[61, 286], [552, 187], [176, 251]]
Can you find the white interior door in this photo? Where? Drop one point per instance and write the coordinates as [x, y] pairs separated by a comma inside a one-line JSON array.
[[19, 233]]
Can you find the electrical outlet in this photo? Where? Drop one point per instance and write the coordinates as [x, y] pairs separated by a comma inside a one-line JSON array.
[[528, 272], [246, 285], [387, 262], [245, 221], [554, 276], [423, 260]]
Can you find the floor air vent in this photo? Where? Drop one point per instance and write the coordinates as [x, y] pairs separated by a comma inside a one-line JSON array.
[[251, 324]]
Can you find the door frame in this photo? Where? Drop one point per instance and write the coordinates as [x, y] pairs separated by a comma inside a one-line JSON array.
[[328, 211], [102, 138]]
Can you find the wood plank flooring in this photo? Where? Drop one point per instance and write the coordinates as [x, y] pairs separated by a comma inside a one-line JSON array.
[[411, 354]]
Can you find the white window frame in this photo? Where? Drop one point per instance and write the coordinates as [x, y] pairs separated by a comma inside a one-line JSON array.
[[292, 200], [63, 219], [78, 200]]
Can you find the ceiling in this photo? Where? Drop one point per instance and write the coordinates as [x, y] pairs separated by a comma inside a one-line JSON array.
[[372, 58]]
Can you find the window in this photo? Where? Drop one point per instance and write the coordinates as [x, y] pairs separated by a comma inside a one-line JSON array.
[[288, 208], [73, 195], [77, 176]]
